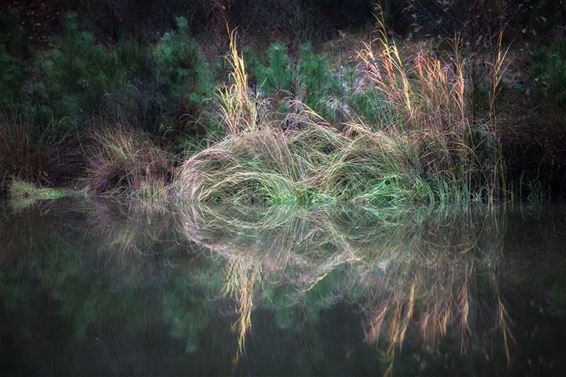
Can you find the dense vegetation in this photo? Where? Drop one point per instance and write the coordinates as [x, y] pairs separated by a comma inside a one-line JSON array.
[[255, 102]]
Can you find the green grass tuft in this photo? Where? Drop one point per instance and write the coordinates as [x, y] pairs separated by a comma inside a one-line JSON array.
[[23, 194]]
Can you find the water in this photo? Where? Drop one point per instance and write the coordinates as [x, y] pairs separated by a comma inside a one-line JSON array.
[[96, 288]]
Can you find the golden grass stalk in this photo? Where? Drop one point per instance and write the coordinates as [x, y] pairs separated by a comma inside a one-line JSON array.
[[238, 110]]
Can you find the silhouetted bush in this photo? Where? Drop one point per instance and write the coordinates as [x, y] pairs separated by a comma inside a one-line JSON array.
[[289, 19], [11, 76], [138, 19], [39, 155], [125, 82], [477, 21], [549, 67]]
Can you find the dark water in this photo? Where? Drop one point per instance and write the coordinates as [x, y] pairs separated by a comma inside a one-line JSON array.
[[94, 288]]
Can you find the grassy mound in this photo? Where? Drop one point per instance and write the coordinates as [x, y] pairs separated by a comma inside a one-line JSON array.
[[303, 167]]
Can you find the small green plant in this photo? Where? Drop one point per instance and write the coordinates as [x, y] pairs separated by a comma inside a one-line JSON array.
[[314, 76], [276, 76], [184, 73], [309, 79], [23, 194]]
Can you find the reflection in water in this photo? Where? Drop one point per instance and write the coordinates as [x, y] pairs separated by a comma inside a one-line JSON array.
[[285, 290], [436, 275]]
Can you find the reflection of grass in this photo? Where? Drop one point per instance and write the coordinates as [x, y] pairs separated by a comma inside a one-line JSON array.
[[133, 228], [431, 274], [54, 252], [418, 277], [240, 280]]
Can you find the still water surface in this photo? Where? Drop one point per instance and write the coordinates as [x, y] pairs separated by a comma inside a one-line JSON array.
[[99, 288]]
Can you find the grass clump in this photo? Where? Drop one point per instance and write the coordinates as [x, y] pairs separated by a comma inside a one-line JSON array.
[[430, 99], [426, 147], [20, 190], [122, 162], [303, 167]]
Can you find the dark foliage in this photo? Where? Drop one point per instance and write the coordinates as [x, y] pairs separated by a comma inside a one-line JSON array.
[[477, 21]]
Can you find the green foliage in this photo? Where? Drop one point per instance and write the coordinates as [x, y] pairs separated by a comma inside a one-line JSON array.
[[138, 100], [549, 67], [126, 81], [12, 33], [78, 76], [314, 75], [309, 80], [325, 91], [371, 106], [184, 73], [23, 194]]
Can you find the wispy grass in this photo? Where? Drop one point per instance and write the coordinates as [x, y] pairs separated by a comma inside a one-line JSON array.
[[430, 98], [121, 162], [304, 167]]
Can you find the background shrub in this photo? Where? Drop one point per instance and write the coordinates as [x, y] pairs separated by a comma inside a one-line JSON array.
[[549, 67], [184, 73], [77, 76], [276, 76]]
